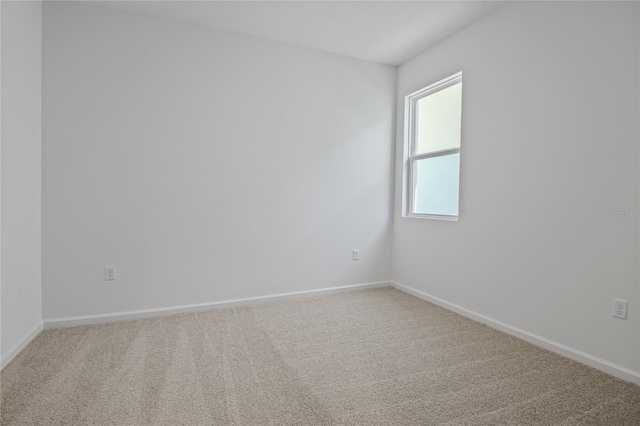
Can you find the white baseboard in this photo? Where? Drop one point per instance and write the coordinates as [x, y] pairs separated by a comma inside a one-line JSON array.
[[566, 351], [148, 313], [18, 347]]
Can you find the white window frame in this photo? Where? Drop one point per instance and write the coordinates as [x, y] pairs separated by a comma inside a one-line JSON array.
[[410, 157]]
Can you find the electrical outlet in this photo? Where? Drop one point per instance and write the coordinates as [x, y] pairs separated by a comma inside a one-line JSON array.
[[109, 273], [620, 308], [356, 255]]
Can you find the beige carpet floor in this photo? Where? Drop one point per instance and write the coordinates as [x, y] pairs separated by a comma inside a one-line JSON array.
[[364, 357]]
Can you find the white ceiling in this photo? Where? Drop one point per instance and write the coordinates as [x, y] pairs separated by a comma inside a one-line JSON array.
[[388, 32]]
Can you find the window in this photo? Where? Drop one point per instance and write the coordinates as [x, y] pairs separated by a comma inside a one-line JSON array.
[[432, 150]]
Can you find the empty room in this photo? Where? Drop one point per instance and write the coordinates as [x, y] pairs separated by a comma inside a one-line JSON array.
[[320, 213]]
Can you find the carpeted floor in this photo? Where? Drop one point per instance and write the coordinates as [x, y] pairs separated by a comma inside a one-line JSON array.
[[364, 357]]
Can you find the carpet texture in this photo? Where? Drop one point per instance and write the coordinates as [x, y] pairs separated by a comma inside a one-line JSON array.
[[364, 357]]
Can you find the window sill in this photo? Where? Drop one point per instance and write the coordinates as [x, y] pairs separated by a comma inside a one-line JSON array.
[[431, 216]]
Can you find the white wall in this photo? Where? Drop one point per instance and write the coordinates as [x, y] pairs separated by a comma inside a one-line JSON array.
[[205, 166], [21, 173], [549, 142]]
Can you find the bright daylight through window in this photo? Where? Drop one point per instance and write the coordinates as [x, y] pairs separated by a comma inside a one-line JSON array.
[[432, 150]]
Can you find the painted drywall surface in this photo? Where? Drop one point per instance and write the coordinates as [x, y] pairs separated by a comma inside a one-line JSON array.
[[549, 160], [205, 166], [21, 171]]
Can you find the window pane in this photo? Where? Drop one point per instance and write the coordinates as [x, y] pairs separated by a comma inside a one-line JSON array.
[[438, 120], [436, 185]]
